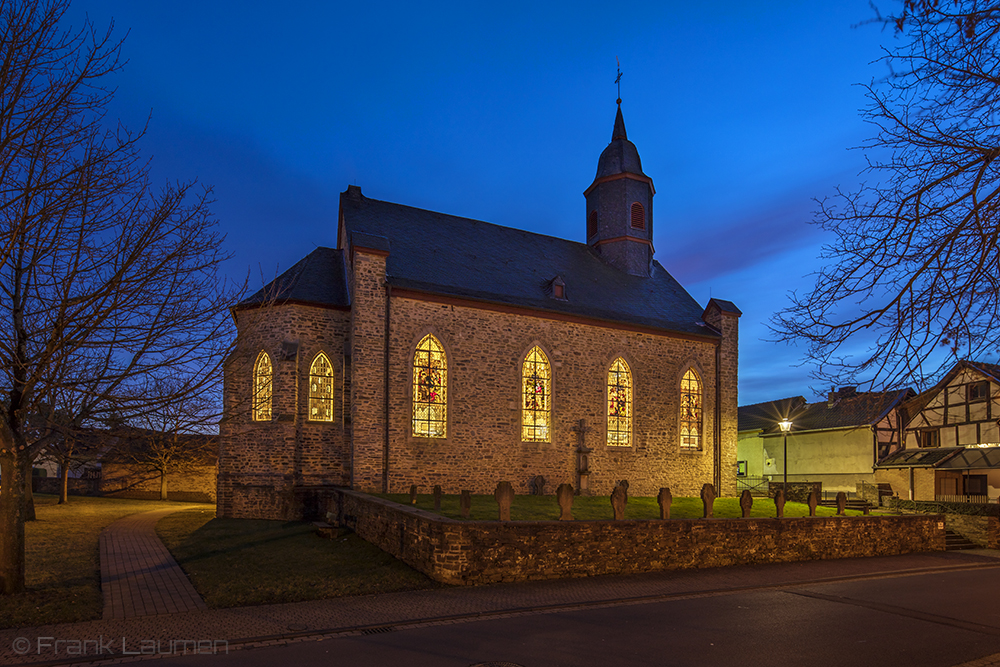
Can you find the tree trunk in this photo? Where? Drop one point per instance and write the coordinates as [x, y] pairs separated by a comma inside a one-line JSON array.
[[64, 487], [29, 493], [12, 507], [163, 485]]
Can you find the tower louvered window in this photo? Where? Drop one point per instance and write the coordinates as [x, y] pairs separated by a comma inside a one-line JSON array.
[[321, 389], [691, 411], [536, 390], [620, 404], [262, 378], [638, 216], [592, 224], [430, 389]]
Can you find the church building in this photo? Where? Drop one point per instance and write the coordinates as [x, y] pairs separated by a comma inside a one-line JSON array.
[[431, 349]]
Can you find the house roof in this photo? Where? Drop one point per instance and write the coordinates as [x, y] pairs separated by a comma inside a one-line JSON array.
[[851, 410], [453, 256], [320, 278], [974, 457], [762, 416], [918, 458]]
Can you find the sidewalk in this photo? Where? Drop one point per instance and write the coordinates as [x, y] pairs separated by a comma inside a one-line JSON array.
[[139, 577], [275, 624]]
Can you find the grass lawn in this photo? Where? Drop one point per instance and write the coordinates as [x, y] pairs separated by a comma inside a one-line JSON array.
[[238, 562], [544, 508], [63, 572]]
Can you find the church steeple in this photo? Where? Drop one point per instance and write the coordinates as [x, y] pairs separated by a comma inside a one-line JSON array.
[[620, 205]]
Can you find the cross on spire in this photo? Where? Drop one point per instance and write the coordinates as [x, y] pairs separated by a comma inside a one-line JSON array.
[[618, 80]]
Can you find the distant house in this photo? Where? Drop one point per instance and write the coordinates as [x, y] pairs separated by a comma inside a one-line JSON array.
[[951, 439], [836, 442]]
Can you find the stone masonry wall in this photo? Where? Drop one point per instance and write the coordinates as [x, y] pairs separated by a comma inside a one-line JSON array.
[[477, 552], [367, 369], [134, 481], [485, 349], [729, 358], [261, 463]]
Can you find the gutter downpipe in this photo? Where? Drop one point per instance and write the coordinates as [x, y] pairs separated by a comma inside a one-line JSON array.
[[385, 393]]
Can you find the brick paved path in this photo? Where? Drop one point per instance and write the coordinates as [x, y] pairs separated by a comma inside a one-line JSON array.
[[139, 577]]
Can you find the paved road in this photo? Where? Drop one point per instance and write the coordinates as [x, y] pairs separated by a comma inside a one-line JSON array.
[[938, 619]]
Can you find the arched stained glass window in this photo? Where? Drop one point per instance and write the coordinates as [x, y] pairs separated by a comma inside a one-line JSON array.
[[262, 378], [619, 404], [321, 389], [691, 410], [536, 393], [430, 389]]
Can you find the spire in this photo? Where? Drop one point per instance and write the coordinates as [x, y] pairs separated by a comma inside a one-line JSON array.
[[619, 132]]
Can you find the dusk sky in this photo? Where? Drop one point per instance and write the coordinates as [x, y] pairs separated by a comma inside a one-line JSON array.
[[742, 114]]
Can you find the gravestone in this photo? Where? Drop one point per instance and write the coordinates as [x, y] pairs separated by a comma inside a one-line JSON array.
[[465, 503], [413, 494], [813, 502], [707, 500], [437, 497], [779, 503], [746, 503], [619, 498], [538, 485], [841, 502], [664, 498], [504, 495], [564, 494]]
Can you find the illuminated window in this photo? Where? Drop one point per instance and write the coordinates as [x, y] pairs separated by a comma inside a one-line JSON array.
[[592, 224], [638, 216], [619, 404], [262, 373], [430, 389], [691, 409], [321, 389], [536, 387]]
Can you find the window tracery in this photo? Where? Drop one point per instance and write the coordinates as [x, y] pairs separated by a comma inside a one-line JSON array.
[[619, 404], [321, 389], [536, 390], [430, 389], [262, 385], [691, 410]]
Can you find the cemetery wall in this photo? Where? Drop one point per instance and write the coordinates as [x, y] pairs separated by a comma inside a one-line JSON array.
[[479, 552]]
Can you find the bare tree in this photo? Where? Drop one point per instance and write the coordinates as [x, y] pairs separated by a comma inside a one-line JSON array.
[[171, 439], [912, 276], [106, 284]]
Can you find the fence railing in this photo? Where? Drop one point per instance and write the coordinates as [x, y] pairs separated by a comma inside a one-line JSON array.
[[962, 499], [757, 486]]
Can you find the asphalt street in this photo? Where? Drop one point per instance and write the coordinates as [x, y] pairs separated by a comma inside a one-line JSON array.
[[938, 619]]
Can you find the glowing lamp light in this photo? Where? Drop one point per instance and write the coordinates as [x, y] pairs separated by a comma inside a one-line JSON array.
[[785, 425]]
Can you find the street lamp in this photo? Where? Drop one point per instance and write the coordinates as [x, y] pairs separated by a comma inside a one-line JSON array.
[[785, 425]]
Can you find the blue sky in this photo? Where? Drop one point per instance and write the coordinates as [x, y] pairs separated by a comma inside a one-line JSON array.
[[742, 114]]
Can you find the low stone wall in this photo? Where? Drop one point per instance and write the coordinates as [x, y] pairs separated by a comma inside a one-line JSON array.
[[797, 491], [76, 486], [992, 532], [478, 552]]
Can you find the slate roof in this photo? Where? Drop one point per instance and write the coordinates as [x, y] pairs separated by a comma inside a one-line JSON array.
[[859, 409], [453, 256], [918, 458], [320, 278], [621, 155], [763, 416]]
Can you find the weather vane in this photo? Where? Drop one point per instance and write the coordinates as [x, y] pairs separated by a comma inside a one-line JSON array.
[[618, 79]]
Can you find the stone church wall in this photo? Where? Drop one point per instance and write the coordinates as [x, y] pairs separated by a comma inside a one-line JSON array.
[[262, 463], [484, 351]]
